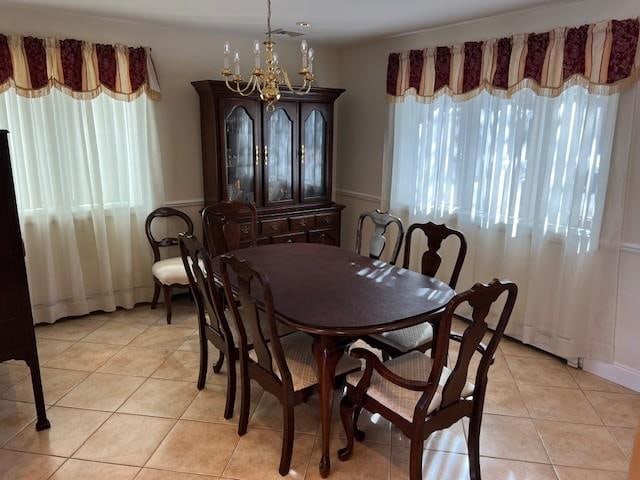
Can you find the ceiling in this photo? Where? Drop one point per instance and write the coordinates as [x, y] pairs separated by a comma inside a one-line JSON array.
[[332, 21]]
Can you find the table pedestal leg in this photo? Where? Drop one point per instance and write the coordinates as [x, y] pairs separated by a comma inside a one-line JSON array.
[[327, 354]]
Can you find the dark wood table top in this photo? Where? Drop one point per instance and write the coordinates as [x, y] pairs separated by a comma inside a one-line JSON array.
[[327, 290]]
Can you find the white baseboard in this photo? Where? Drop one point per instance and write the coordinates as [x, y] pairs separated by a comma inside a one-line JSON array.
[[614, 372]]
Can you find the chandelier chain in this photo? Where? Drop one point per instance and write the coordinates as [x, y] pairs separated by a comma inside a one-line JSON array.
[[269, 19]]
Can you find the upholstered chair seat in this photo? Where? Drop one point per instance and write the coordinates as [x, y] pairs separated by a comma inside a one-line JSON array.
[[414, 366], [407, 339], [170, 271], [298, 353]]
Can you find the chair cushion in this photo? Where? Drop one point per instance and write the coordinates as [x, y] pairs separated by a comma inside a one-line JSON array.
[[407, 339], [414, 366], [170, 271], [297, 348]]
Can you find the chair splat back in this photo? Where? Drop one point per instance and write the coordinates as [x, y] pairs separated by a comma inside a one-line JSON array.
[[197, 263], [225, 223], [165, 212], [252, 285], [431, 259], [480, 298], [381, 220]]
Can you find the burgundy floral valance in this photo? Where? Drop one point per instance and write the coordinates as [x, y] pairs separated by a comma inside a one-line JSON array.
[[81, 69], [603, 57]]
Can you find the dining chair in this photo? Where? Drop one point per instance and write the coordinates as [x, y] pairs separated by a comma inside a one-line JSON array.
[[420, 337], [229, 225], [168, 273], [419, 394], [284, 366], [214, 322], [377, 243]]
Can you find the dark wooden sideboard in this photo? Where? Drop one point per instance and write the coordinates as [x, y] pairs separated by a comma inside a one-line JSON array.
[[17, 335], [281, 160]]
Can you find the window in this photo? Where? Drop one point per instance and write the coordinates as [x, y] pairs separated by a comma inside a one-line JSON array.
[[79, 155], [527, 164]]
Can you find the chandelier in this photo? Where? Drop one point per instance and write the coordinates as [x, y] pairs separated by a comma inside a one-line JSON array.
[[269, 80]]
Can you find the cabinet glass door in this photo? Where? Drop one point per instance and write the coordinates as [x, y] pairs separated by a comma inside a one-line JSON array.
[[239, 148], [314, 154], [279, 154]]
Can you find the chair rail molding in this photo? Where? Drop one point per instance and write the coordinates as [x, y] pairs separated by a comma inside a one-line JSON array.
[[630, 248], [193, 202], [363, 196]]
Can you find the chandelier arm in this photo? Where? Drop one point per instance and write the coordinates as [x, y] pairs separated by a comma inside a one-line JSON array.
[[246, 91], [304, 88], [251, 86]]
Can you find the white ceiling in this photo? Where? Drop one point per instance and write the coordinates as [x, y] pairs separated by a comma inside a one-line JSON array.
[[332, 21]]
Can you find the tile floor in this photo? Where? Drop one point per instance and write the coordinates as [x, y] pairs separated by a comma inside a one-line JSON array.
[[123, 404]]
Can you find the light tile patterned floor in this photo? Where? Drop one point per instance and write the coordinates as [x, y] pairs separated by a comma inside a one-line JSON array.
[[123, 404]]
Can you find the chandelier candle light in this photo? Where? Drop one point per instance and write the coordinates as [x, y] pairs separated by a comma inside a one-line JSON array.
[[269, 80]]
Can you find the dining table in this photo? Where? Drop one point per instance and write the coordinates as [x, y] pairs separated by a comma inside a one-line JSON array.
[[338, 296]]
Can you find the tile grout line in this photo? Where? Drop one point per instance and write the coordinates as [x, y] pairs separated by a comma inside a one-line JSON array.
[[111, 414], [544, 446]]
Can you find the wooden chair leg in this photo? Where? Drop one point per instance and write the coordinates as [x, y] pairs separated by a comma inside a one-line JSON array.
[[245, 398], [287, 437], [42, 422], [231, 390], [473, 445], [347, 415], [204, 361], [358, 434], [218, 365], [415, 459], [166, 289], [156, 294]]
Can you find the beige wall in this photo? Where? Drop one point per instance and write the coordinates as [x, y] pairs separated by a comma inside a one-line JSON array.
[[363, 120], [180, 56]]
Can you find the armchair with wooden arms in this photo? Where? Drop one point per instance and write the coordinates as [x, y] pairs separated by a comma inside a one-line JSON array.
[[419, 394]]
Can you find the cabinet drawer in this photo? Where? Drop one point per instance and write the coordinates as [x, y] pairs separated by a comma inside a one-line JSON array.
[[325, 236], [300, 237], [326, 219], [274, 227], [297, 224]]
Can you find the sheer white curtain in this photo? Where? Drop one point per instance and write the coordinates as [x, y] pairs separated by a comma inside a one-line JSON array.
[[86, 172], [533, 184]]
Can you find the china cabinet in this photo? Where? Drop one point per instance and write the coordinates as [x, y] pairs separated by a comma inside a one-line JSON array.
[[279, 159]]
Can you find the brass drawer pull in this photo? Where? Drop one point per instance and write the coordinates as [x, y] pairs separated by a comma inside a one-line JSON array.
[[244, 229]]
